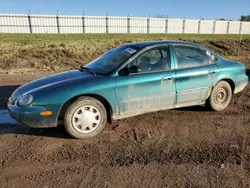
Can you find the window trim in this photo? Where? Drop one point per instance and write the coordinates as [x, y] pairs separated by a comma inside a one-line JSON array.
[[168, 46], [190, 46]]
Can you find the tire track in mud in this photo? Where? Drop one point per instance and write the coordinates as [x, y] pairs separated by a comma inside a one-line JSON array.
[[213, 155], [52, 174], [159, 147], [174, 120], [163, 151]]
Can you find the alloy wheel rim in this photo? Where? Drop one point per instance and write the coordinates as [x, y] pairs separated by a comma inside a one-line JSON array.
[[86, 119]]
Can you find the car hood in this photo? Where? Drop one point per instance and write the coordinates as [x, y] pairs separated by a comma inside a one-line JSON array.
[[55, 80]]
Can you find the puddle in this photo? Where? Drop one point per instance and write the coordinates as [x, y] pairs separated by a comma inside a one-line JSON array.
[[8, 124], [5, 117]]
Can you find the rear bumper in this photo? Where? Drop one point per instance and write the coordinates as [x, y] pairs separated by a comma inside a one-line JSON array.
[[240, 88], [30, 116], [241, 82]]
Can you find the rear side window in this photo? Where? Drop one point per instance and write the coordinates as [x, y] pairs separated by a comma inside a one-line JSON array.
[[190, 57]]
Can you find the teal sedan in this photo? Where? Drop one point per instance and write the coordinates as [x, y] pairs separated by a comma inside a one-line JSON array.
[[133, 79]]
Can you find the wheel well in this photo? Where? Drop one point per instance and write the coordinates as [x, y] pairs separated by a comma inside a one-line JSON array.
[[67, 104], [231, 83]]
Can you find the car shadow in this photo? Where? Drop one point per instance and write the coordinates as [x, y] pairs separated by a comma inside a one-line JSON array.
[[201, 108], [55, 132], [248, 73]]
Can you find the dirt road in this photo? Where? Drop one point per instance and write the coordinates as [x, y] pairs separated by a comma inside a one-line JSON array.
[[188, 147]]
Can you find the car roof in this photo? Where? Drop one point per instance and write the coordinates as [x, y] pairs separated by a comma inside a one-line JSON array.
[[150, 43]]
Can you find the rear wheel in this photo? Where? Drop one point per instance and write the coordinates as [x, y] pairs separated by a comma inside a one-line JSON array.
[[85, 118], [220, 96]]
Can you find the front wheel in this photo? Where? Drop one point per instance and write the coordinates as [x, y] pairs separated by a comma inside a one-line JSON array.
[[220, 96], [85, 118]]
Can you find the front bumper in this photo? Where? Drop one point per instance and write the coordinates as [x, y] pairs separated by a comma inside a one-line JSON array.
[[241, 82], [30, 116]]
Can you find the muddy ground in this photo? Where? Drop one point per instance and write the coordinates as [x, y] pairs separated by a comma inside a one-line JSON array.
[[188, 147]]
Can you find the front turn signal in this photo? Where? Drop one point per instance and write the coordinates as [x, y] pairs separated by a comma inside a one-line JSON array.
[[46, 113]]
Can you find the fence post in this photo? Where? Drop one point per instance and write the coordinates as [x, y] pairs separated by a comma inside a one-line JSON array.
[[166, 26], [228, 26], [30, 26], [83, 24], [148, 25], [57, 23], [183, 25], [128, 22], [199, 26], [240, 31], [107, 24], [214, 26]]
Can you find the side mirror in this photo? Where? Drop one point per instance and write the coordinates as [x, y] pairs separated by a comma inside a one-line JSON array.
[[125, 71], [134, 69]]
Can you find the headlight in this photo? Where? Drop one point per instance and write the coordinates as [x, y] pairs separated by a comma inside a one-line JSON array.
[[25, 100]]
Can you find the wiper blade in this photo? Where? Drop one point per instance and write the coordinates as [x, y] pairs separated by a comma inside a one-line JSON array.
[[81, 68]]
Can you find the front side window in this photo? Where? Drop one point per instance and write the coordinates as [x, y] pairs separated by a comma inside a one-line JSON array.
[[190, 57], [109, 61], [155, 59]]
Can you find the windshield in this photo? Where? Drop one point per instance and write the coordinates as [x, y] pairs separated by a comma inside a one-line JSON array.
[[109, 61]]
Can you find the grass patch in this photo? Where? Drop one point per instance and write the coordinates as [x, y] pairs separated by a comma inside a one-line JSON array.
[[57, 52], [39, 38]]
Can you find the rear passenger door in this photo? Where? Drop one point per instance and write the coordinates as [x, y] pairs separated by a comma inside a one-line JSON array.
[[195, 74]]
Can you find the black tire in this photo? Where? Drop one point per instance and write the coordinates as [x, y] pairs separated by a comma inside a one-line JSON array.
[[83, 101], [220, 96]]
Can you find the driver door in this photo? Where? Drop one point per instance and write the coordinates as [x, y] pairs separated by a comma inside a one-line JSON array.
[[150, 89]]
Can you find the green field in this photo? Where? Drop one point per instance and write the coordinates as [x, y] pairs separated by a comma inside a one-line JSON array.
[[57, 52], [34, 38]]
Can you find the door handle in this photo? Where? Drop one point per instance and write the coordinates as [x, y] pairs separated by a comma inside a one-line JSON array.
[[211, 71], [170, 78]]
